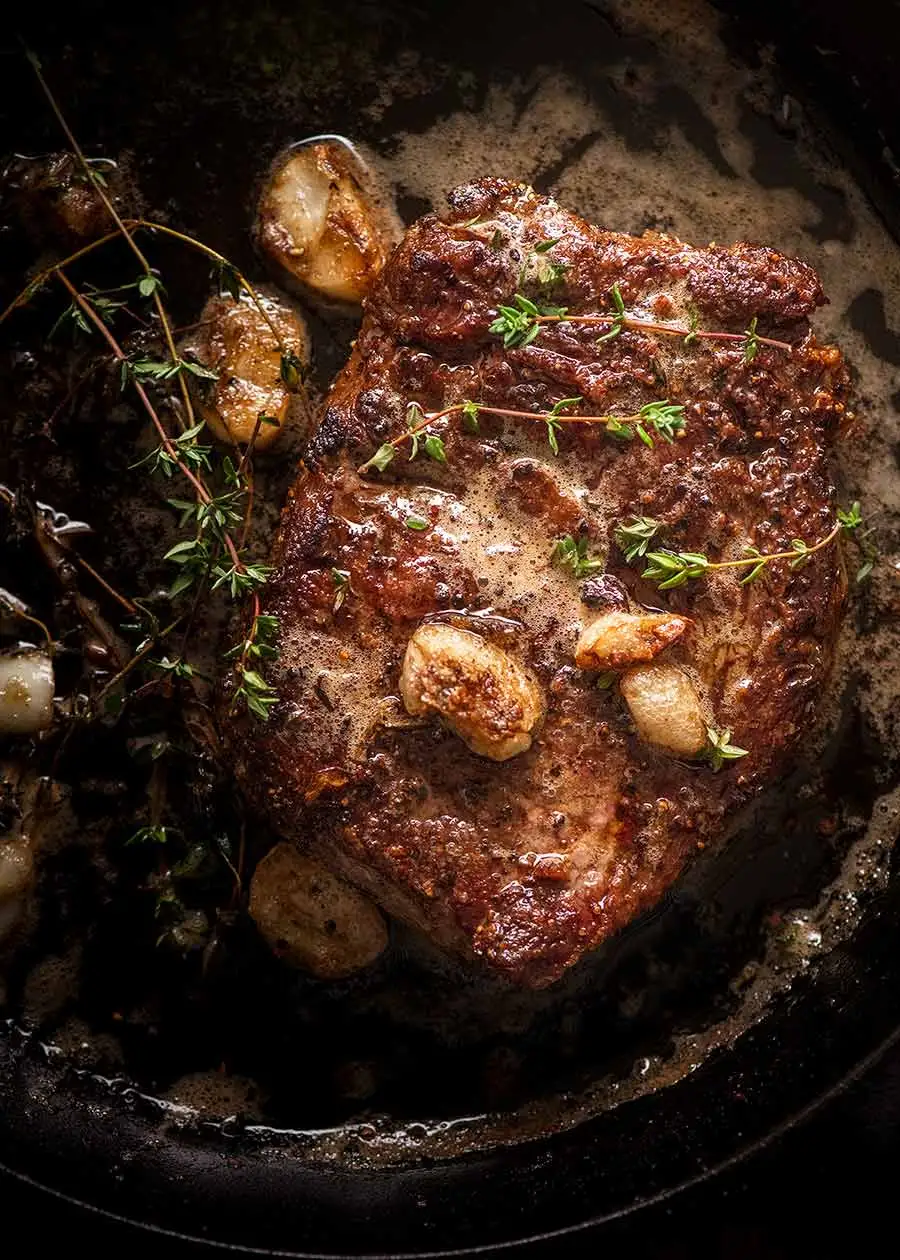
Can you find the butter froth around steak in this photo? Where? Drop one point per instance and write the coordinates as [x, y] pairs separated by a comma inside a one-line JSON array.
[[530, 862]]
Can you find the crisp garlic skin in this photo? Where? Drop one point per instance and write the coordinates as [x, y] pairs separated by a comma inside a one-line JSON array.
[[482, 694]]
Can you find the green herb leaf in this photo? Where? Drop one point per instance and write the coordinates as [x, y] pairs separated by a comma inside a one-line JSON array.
[[564, 404], [415, 522], [673, 568], [292, 369], [719, 748], [666, 419], [545, 245], [183, 551], [517, 324], [553, 425], [199, 370], [256, 694], [239, 581], [178, 667], [228, 280], [618, 320], [571, 554], [341, 580], [148, 835], [751, 343], [619, 429], [603, 682], [851, 518], [634, 537], [148, 285], [434, 449], [469, 415], [381, 458], [550, 273], [415, 416], [802, 553]]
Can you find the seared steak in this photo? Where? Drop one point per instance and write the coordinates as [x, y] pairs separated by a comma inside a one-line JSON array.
[[530, 861]]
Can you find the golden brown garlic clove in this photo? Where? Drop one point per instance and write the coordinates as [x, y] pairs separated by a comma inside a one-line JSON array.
[[322, 222], [615, 640], [311, 918], [235, 339], [480, 691]]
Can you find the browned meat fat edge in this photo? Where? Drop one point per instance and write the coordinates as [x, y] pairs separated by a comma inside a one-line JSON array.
[[530, 863]]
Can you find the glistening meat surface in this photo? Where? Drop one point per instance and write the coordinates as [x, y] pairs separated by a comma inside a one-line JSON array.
[[530, 862]]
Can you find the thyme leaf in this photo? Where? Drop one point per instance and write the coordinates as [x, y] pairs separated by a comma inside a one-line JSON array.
[[618, 320], [382, 457], [634, 537], [341, 580], [719, 748], [570, 553]]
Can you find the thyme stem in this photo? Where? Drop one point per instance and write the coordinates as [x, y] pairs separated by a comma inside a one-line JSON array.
[[671, 330], [617, 424], [746, 561], [125, 232]]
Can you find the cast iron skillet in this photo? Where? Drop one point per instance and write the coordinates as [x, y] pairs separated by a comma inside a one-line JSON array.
[[106, 1147]]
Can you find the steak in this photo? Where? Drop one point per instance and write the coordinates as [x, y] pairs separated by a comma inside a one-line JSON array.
[[528, 862]]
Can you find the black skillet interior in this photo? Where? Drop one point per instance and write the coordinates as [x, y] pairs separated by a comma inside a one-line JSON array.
[[182, 95]]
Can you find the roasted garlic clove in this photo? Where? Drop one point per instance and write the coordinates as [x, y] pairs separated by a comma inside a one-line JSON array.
[[244, 347], [617, 639], [26, 693], [56, 202], [323, 223], [481, 693], [665, 707], [311, 918]]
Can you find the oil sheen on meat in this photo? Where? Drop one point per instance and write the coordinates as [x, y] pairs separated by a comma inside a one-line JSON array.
[[530, 862]]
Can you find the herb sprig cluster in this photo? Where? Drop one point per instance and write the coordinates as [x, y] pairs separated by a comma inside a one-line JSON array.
[[660, 419], [211, 555], [669, 569], [519, 321]]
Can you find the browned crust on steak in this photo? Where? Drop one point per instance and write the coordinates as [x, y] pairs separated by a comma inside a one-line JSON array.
[[532, 862]]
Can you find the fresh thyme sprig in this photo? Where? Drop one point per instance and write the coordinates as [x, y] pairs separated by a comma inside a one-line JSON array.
[[517, 324], [553, 422], [149, 278], [634, 537], [520, 323], [212, 515], [670, 569], [187, 447], [259, 645], [570, 553], [665, 419], [291, 367], [720, 749], [211, 555]]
